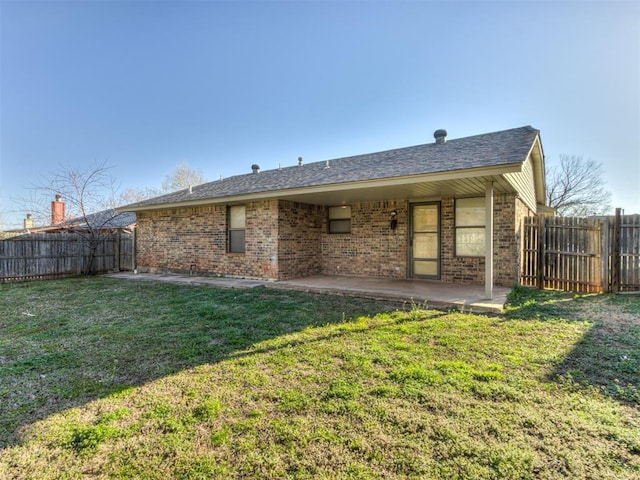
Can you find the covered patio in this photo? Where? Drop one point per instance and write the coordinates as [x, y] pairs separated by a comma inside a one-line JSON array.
[[433, 294]]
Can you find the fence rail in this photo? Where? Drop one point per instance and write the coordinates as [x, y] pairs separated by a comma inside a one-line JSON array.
[[589, 255], [51, 255]]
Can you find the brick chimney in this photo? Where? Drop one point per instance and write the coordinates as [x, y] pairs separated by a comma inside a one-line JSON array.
[[57, 210]]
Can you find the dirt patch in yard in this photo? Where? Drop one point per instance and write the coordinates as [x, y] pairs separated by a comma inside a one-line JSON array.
[[613, 317]]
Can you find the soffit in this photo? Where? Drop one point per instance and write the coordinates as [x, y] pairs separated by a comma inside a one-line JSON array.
[[468, 187], [468, 184]]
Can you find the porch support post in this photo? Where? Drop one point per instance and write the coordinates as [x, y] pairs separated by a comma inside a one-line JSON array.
[[488, 241]]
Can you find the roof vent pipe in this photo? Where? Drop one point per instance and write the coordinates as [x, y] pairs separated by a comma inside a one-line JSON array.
[[300, 161], [255, 168], [440, 136]]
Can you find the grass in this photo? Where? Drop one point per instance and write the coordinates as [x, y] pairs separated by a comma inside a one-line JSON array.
[[114, 379]]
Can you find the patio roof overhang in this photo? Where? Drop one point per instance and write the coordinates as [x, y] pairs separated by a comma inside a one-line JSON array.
[[460, 183]]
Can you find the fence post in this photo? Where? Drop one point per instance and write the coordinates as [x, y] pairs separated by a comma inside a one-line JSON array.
[[605, 250], [134, 258], [116, 260], [541, 251], [79, 253], [615, 253]]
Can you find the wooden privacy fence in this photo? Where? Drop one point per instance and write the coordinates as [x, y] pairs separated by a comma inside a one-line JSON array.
[[587, 255], [50, 255]]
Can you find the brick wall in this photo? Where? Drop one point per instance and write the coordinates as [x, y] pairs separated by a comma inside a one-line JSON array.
[[195, 239], [372, 248], [508, 210], [287, 240], [299, 239]]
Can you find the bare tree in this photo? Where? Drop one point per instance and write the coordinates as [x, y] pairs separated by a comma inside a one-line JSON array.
[[89, 197], [576, 187], [183, 177], [134, 195]]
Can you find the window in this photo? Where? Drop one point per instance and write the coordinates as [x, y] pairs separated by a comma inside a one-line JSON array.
[[236, 216], [470, 227], [340, 219]]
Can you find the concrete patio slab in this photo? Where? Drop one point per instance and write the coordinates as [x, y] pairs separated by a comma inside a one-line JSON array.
[[434, 294], [225, 282], [429, 293]]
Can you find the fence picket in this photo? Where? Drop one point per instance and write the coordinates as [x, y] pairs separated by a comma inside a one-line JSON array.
[[51, 255], [581, 254]]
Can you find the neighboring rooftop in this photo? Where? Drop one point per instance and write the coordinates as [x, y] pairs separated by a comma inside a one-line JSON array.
[[106, 219], [507, 147]]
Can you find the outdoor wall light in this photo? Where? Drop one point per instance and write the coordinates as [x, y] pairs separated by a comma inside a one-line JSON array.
[[393, 222]]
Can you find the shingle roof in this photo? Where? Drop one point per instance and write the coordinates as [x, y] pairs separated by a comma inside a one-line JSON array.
[[106, 219], [479, 151]]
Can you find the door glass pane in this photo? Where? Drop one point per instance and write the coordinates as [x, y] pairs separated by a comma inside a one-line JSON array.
[[429, 268], [425, 240], [425, 218], [425, 245]]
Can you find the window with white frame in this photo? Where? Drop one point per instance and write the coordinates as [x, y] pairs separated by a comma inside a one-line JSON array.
[[470, 227], [236, 216], [340, 219]]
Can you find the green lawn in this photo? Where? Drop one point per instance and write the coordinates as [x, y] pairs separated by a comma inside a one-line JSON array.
[[103, 378]]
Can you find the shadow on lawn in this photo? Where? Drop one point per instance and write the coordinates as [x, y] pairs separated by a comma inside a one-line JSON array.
[[65, 343], [608, 355]]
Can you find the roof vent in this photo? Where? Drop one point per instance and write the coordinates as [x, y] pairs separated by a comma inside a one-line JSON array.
[[255, 168], [300, 161], [440, 136]]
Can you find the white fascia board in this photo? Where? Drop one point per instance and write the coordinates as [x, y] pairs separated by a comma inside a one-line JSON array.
[[539, 171]]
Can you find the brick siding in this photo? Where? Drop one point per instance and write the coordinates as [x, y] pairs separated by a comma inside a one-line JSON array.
[[372, 249], [507, 220], [299, 239], [288, 240], [195, 239]]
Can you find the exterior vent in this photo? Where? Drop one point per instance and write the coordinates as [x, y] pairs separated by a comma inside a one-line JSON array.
[[255, 168], [440, 136], [300, 161]]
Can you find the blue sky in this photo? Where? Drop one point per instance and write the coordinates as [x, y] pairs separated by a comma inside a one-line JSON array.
[[146, 86]]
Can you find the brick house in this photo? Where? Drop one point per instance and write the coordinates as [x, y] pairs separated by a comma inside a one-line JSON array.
[[434, 211]]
